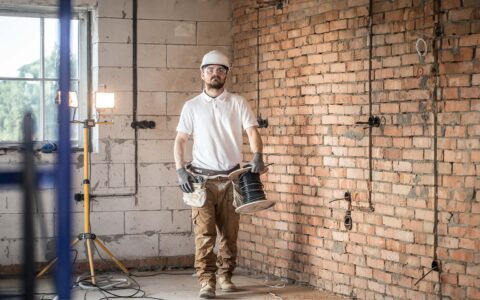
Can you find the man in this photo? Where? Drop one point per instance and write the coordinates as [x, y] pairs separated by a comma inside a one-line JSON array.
[[215, 120]]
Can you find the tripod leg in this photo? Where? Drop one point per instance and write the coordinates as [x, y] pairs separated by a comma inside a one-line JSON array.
[[52, 262], [119, 264], [90, 259]]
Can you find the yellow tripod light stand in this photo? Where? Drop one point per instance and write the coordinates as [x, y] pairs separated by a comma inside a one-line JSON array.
[[87, 235]]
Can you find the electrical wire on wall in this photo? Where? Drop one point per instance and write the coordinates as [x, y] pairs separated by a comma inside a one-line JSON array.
[[135, 85], [421, 48], [437, 45], [370, 104], [262, 123], [278, 4], [258, 63], [135, 124], [438, 40]]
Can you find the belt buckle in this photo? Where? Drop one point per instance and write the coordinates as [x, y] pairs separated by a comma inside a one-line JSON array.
[[198, 171]]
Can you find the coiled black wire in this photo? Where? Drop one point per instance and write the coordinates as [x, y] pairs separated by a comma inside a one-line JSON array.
[[251, 188]]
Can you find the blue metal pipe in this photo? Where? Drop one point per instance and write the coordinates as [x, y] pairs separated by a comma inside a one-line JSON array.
[[64, 175], [45, 178]]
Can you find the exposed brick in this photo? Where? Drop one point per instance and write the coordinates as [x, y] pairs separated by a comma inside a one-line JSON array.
[[322, 73]]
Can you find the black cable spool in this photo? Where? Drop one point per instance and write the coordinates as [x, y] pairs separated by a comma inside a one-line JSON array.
[[251, 188]]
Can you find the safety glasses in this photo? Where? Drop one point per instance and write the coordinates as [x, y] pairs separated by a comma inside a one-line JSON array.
[[211, 70]]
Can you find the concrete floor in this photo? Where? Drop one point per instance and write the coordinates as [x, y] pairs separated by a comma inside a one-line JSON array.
[[181, 284]]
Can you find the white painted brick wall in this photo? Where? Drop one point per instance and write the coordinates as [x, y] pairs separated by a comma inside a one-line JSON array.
[[99, 176], [164, 129], [112, 55], [148, 198], [113, 79], [130, 175], [171, 198], [123, 103], [11, 251], [121, 151], [120, 129], [156, 151], [152, 56], [198, 10], [102, 223], [131, 246], [149, 221], [113, 30], [11, 226], [170, 80], [166, 32], [152, 103], [173, 244], [182, 220], [176, 100], [116, 175], [222, 34], [10, 201], [172, 38], [114, 9], [149, 174]]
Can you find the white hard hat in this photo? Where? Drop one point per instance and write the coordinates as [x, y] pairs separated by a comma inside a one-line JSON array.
[[215, 57]]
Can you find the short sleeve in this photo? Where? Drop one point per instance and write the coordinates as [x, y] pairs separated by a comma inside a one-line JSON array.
[[185, 123], [248, 117]]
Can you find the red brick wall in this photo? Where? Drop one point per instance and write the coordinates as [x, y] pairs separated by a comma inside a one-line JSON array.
[[314, 60]]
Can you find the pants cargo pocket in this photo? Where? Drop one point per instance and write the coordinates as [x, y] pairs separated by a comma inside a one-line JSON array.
[[195, 214]]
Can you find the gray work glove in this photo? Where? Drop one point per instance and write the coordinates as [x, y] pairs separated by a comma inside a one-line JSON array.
[[185, 180], [257, 163]]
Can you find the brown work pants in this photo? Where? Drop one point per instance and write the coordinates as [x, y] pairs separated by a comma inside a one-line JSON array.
[[216, 216]]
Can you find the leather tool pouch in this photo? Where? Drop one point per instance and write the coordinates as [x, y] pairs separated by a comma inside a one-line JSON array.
[[198, 197]]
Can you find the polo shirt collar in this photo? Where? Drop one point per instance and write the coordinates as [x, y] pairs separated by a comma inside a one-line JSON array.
[[221, 97]]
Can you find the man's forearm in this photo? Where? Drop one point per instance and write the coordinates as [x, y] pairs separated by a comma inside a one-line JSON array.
[[255, 140], [179, 152]]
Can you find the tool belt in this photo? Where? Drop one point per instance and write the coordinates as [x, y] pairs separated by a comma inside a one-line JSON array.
[[208, 172]]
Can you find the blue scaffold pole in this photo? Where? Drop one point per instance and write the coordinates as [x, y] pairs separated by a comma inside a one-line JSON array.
[[64, 180]]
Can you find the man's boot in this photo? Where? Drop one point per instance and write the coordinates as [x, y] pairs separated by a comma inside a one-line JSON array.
[[207, 291], [226, 284]]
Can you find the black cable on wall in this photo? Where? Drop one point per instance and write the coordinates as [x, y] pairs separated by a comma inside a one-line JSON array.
[[134, 107], [370, 128], [135, 85], [437, 45]]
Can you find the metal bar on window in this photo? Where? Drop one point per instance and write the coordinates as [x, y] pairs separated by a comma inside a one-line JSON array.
[[64, 179]]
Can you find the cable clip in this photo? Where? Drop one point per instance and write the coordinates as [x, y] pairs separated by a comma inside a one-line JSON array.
[[373, 121], [87, 236], [435, 267], [143, 124], [262, 123], [347, 196]]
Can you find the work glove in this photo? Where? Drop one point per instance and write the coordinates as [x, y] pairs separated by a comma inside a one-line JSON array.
[[257, 163], [185, 180]]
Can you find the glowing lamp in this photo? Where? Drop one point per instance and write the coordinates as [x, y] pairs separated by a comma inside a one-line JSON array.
[[104, 100]]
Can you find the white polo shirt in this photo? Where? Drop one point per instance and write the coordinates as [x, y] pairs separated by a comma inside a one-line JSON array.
[[217, 126]]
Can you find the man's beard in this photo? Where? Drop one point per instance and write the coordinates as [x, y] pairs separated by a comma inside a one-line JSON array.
[[218, 84]]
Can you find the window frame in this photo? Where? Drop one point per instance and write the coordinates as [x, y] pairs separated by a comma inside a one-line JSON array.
[[84, 64]]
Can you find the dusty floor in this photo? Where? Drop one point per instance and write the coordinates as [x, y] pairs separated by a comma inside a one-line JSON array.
[[176, 285]]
